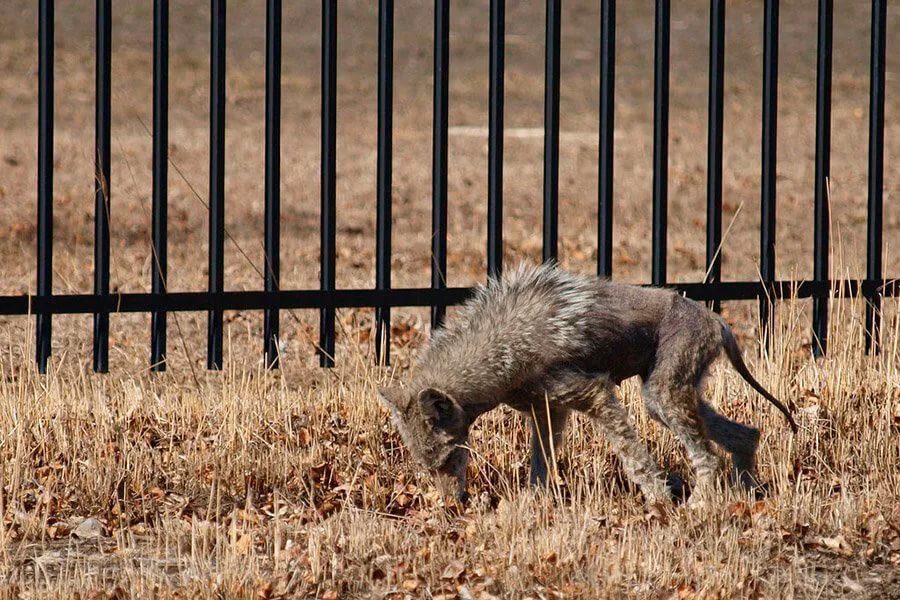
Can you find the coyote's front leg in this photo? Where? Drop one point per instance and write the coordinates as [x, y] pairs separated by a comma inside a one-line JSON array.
[[547, 426]]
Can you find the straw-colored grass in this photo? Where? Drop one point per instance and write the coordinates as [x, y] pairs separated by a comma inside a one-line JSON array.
[[259, 484]]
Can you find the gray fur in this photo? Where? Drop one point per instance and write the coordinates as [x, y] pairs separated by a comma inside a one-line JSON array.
[[546, 342]]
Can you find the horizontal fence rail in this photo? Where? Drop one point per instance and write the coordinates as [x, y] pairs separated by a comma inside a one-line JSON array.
[[327, 299], [352, 298]]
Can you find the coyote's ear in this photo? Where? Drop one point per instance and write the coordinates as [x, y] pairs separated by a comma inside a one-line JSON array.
[[391, 397], [440, 406]]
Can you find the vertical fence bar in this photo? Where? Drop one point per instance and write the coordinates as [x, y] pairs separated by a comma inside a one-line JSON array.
[[272, 273], [216, 179], [328, 176], [823, 168], [876, 172], [45, 179], [551, 131], [103, 62], [769, 162], [607, 129], [714, 145], [159, 264], [384, 175], [439, 155], [660, 141], [496, 68]]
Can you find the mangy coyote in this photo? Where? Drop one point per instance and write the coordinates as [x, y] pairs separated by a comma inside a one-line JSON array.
[[545, 342]]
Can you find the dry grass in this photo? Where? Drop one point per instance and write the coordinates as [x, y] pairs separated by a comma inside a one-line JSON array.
[[254, 484]]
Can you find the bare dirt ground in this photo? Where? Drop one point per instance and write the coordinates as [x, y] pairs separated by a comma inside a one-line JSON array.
[[245, 483]]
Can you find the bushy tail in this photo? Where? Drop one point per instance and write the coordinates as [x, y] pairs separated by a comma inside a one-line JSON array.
[[737, 361]]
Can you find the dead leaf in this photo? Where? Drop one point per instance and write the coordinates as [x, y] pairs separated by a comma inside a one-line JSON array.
[[739, 510], [304, 437], [657, 512], [622, 257], [244, 544], [89, 529], [760, 507], [836, 544], [464, 593], [453, 571], [264, 590], [852, 585], [58, 530]]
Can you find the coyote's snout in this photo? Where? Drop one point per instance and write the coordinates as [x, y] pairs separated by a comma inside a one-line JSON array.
[[546, 342]]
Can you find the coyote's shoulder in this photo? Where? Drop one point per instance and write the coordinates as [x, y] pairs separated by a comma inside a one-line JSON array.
[[512, 328]]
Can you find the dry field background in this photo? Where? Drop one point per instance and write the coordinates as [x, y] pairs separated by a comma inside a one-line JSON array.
[[255, 484]]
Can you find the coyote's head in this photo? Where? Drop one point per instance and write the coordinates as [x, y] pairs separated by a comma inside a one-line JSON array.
[[434, 427]]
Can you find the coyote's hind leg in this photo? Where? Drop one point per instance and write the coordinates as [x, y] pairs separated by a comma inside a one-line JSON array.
[[689, 341], [678, 410], [617, 427], [736, 438]]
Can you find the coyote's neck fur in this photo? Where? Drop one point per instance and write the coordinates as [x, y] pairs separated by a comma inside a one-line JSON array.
[[512, 329]]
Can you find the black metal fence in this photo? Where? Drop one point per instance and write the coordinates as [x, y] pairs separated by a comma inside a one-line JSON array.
[[327, 298]]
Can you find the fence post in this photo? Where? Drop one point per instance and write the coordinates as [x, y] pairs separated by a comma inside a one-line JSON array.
[[551, 131], [821, 236], [660, 141], [439, 156], [216, 179], [769, 162], [607, 130], [876, 173], [159, 244], [45, 180], [272, 274], [384, 176], [101, 178], [714, 146], [496, 68], [328, 177]]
